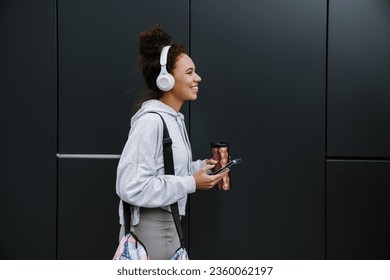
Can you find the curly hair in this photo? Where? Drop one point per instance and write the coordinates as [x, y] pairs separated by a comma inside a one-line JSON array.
[[151, 42]]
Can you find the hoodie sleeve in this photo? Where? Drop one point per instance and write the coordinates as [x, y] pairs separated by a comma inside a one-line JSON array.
[[197, 165], [138, 180]]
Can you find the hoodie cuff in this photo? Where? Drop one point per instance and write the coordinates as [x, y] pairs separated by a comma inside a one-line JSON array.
[[197, 165], [190, 187]]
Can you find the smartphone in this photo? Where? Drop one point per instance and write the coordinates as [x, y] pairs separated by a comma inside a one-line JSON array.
[[230, 165]]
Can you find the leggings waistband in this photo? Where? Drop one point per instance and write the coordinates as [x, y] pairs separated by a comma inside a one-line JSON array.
[[156, 214]]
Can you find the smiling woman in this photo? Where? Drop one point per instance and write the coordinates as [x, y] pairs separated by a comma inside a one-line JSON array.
[[171, 77]]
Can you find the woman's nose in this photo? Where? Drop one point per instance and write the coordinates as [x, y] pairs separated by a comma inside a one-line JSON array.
[[198, 78]]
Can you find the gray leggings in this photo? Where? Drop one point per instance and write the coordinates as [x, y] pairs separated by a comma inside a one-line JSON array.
[[157, 231]]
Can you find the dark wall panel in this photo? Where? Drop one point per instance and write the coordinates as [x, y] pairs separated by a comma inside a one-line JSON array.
[[358, 223], [359, 84], [28, 123], [99, 80], [263, 91], [88, 223]]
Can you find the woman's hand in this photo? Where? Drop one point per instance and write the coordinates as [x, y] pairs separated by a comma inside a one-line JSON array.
[[203, 180], [211, 161]]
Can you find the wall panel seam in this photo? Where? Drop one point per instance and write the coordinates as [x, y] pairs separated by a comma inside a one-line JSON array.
[[89, 156]]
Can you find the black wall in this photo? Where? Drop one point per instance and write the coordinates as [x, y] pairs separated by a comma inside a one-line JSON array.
[[28, 116], [264, 65], [358, 135], [298, 89]]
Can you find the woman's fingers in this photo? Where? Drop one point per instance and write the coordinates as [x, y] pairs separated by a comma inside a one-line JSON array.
[[208, 167], [211, 161], [204, 180]]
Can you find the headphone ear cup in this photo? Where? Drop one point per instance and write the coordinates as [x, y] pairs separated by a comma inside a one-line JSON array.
[[165, 81]]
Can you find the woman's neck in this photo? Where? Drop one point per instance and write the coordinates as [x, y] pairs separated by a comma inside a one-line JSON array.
[[169, 99]]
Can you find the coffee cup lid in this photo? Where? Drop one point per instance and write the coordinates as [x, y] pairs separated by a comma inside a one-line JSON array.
[[219, 144]]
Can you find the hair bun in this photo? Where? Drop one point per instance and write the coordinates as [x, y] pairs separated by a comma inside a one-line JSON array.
[[152, 41]]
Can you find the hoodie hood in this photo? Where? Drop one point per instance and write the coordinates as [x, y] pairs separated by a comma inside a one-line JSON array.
[[155, 105]]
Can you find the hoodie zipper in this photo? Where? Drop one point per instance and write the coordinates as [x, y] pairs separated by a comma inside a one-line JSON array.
[[184, 134]]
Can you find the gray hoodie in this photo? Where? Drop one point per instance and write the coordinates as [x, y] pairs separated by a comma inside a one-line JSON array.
[[140, 174]]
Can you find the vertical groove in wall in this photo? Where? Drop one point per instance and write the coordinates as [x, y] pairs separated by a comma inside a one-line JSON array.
[[189, 121], [189, 52], [57, 118], [326, 126]]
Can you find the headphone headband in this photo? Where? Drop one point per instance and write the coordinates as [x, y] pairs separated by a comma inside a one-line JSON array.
[[164, 55]]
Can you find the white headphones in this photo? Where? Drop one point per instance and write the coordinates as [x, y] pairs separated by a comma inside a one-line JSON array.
[[164, 81]]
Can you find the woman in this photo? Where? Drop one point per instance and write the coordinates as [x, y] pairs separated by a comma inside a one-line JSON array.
[[140, 175]]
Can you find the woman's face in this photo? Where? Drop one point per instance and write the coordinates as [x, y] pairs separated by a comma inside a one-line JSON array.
[[186, 79]]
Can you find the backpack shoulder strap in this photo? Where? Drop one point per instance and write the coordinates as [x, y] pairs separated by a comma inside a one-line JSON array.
[[169, 170], [167, 149]]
